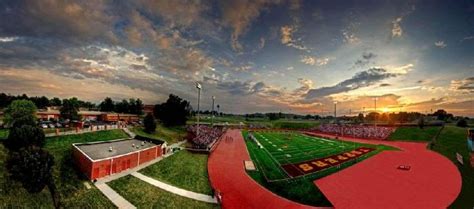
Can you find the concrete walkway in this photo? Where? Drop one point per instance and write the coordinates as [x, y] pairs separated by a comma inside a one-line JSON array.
[[113, 196], [116, 198], [175, 190]]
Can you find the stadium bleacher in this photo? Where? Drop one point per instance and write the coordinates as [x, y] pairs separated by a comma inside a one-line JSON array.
[[206, 138], [358, 131]]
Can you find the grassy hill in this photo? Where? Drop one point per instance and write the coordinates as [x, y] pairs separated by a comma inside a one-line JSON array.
[[414, 133], [452, 140], [68, 181]]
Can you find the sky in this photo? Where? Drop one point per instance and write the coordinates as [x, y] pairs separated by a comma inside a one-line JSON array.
[[252, 55]]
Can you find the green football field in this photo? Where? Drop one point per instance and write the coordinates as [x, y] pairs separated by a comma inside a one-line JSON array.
[[280, 148]]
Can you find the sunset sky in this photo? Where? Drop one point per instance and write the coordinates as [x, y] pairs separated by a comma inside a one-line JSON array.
[[254, 56]]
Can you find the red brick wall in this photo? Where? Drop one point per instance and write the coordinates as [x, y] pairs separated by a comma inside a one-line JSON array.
[[147, 155], [100, 169], [82, 162], [124, 162]]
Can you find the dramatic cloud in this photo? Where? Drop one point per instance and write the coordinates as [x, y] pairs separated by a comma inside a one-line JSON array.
[[239, 88], [359, 80], [176, 12], [288, 40], [397, 30], [286, 34], [239, 14], [69, 20], [312, 60], [465, 85], [261, 43], [365, 59], [8, 39], [440, 44]]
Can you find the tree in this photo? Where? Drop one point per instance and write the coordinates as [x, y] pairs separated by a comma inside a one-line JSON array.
[[70, 109], [24, 136], [360, 118], [55, 102], [175, 111], [32, 167], [149, 123], [138, 107], [421, 122], [273, 116], [462, 123], [107, 105], [122, 107], [441, 114], [20, 112]]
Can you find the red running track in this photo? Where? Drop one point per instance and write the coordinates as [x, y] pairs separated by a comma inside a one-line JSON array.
[[433, 181], [227, 174]]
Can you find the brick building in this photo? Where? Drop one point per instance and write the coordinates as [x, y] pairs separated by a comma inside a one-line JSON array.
[[100, 159]]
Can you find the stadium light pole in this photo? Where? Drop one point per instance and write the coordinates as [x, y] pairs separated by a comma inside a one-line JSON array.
[[335, 111], [212, 118], [375, 107], [198, 86]]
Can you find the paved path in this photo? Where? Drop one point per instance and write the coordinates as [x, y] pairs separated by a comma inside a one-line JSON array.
[[227, 174], [113, 196], [432, 182], [129, 133], [175, 190], [116, 198]]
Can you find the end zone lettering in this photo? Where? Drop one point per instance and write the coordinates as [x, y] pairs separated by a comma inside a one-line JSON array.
[[311, 166]]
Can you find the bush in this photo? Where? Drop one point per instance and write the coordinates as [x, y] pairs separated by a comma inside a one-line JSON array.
[[462, 123], [149, 123]]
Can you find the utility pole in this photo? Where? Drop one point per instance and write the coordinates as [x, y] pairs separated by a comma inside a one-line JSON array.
[[375, 116], [212, 119]]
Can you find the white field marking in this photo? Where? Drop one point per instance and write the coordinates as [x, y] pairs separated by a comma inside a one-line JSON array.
[[288, 155], [280, 150]]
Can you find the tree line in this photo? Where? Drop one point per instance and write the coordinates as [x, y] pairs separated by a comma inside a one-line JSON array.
[[40, 102], [132, 106]]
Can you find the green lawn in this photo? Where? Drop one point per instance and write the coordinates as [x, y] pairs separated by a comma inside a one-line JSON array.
[[169, 134], [451, 140], [301, 148], [144, 195], [68, 181], [414, 133], [184, 169]]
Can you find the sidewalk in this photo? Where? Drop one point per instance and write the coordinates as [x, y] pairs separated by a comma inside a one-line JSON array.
[[175, 190], [114, 197]]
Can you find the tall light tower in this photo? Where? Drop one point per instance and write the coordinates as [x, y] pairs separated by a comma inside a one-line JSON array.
[[335, 111], [375, 107], [212, 118], [198, 86]]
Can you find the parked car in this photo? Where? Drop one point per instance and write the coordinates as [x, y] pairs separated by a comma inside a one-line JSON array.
[[58, 125], [44, 125]]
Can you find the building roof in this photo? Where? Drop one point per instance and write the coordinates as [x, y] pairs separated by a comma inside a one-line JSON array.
[[101, 150]]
